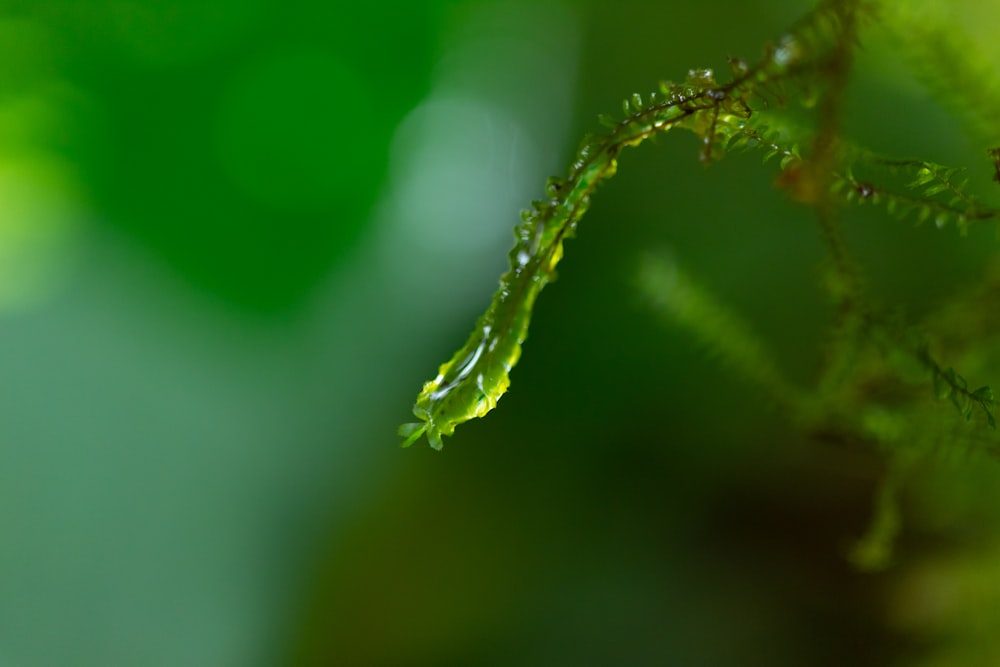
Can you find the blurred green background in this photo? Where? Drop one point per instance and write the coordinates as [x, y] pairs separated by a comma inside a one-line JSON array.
[[237, 235]]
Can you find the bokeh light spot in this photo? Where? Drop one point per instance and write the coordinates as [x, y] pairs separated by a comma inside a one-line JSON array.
[[36, 219], [295, 130]]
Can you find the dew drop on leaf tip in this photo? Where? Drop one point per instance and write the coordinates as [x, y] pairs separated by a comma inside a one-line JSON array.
[[739, 66], [788, 51], [703, 77]]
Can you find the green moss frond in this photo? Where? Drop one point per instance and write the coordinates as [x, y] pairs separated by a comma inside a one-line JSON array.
[[955, 70], [817, 167], [682, 302]]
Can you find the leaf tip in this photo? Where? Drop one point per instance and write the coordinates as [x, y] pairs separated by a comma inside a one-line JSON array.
[[411, 433]]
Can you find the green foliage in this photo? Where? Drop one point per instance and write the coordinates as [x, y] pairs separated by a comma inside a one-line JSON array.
[[880, 387], [873, 552], [473, 380], [950, 385], [931, 191], [943, 57], [683, 302]]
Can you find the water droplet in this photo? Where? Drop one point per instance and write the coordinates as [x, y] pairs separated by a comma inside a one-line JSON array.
[[788, 51], [553, 186], [704, 78]]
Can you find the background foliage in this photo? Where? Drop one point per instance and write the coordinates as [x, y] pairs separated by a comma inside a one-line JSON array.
[[236, 236]]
